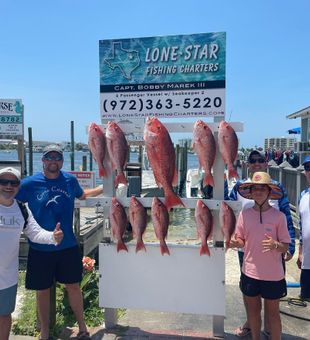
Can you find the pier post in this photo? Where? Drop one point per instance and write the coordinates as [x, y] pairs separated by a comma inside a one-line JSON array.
[[90, 161], [72, 146], [218, 194], [84, 163], [30, 147], [110, 317], [298, 185]]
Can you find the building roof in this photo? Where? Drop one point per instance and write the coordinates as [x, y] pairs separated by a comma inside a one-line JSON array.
[[301, 113]]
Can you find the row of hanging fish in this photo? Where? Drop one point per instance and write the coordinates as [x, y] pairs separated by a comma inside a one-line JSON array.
[[138, 220], [112, 141], [160, 219], [161, 153], [204, 146]]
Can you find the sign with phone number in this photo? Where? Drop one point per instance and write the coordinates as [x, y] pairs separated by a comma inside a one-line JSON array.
[[171, 76]]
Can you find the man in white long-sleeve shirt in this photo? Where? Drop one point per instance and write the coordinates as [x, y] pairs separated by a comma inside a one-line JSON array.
[[303, 261], [12, 223]]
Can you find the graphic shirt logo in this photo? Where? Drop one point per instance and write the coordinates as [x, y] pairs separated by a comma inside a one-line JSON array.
[[52, 200]]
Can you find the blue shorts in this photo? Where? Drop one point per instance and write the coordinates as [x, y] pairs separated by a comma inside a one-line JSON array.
[[271, 290], [8, 300], [305, 284], [46, 267]]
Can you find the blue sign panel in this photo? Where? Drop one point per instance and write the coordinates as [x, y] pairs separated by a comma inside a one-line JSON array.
[[170, 76]]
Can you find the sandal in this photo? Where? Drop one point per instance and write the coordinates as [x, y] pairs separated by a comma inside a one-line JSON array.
[[241, 331], [83, 335]]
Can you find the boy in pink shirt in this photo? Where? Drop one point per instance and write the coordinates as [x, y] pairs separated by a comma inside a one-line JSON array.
[[262, 231]]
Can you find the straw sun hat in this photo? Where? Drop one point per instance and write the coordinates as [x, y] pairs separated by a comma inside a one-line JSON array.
[[260, 178]]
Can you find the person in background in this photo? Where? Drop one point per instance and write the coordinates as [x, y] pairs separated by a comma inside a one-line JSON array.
[[262, 231], [50, 196], [12, 224], [303, 261], [257, 163]]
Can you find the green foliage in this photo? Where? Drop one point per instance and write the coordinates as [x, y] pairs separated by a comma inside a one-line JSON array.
[[94, 315], [26, 323]]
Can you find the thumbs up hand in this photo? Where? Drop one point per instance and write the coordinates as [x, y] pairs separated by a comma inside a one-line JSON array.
[[58, 234]]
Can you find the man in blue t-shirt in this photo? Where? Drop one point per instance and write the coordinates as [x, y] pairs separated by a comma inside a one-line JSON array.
[[50, 196]]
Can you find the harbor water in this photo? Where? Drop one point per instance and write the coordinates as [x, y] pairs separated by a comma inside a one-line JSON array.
[[182, 228]]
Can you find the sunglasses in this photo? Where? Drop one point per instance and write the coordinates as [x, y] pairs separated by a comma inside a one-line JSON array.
[[307, 167], [257, 160], [5, 182], [53, 158]]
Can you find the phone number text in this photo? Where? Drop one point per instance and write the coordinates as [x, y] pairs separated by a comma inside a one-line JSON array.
[[140, 105]]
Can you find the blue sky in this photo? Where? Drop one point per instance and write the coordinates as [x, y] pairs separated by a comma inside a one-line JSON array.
[[49, 57]]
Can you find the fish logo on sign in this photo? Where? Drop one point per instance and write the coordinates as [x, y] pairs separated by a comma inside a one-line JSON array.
[[53, 200]]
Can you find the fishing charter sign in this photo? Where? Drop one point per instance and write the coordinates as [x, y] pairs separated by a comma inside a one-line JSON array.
[[171, 76], [11, 117]]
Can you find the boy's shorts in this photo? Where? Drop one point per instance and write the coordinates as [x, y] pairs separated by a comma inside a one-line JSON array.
[[305, 284], [8, 300], [46, 267], [271, 290]]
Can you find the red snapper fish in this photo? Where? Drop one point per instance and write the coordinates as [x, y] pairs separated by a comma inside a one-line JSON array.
[[205, 148], [118, 220], [138, 218], [228, 144], [204, 225], [118, 150], [97, 146], [227, 222], [161, 155], [160, 218]]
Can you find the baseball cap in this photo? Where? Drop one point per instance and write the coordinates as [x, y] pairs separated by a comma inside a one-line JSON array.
[[256, 152], [52, 148], [12, 171], [306, 160]]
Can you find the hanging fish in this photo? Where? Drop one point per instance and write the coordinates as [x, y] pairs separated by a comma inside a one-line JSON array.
[[138, 219], [204, 225], [97, 146], [228, 145], [161, 155], [160, 218], [205, 147]]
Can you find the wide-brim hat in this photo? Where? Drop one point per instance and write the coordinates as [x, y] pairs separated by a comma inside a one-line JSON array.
[[260, 178]]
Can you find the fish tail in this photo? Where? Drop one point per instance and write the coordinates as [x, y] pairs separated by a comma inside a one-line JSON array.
[[208, 180], [164, 248], [140, 246], [120, 178], [204, 250], [227, 245], [172, 199], [102, 172], [121, 246], [232, 173]]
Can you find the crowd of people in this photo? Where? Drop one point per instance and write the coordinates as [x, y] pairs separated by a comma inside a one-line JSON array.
[[280, 156], [265, 236]]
